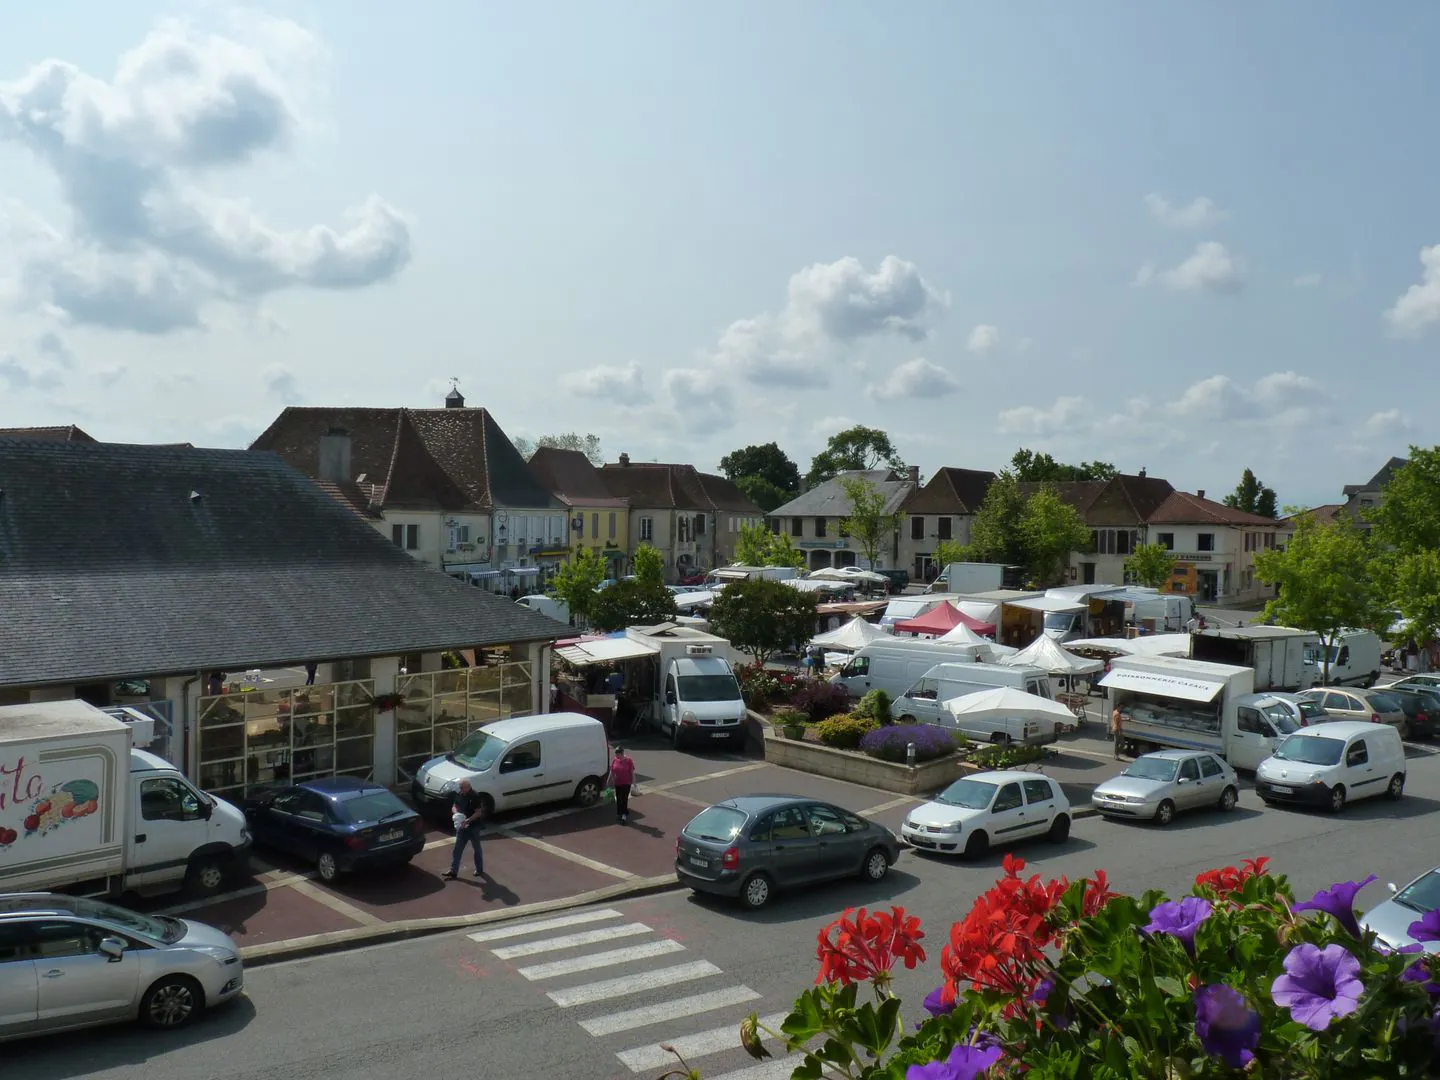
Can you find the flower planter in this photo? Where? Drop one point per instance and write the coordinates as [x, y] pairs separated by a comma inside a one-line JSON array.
[[793, 731], [862, 769]]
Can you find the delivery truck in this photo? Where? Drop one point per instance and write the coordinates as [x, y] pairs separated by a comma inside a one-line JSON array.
[[84, 810], [1275, 653]]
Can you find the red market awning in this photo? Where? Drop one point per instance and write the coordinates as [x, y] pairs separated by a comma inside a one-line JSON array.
[[941, 619]]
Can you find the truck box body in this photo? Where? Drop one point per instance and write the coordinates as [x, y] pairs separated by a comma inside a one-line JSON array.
[[696, 697], [964, 577], [896, 664], [1275, 653]]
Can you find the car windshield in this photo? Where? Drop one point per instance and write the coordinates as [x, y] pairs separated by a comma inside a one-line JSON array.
[[1152, 769], [709, 688], [1310, 750], [970, 794], [372, 806], [478, 750], [1423, 894], [1281, 717], [163, 928], [1309, 710], [1059, 620], [719, 824], [1384, 703]]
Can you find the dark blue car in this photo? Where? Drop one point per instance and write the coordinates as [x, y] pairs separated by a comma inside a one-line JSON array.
[[340, 823]]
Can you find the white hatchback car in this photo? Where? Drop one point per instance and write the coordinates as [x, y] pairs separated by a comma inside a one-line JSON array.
[[989, 809]]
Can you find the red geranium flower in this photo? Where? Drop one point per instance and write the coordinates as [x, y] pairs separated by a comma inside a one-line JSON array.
[[1000, 944], [1228, 879], [862, 946]]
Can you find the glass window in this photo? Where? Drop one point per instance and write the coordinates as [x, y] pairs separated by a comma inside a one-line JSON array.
[[761, 831], [1248, 721], [1210, 767], [859, 665], [1204, 541], [372, 806], [854, 822], [928, 689], [311, 807], [789, 824], [15, 942], [1189, 770], [478, 751], [57, 940], [1358, 754], [613, 517], [946, 525], [168, 799], [524, 756], [825, 821], [1038, 791], [797, 526], [594, 526], [287, 802], [162, 928], [917, 528], [1422, 895], [1008, 799], [647, 529], [709, 688], [1166, 540], [970, 794], [699, 524], [819, 526], [1310, 750], [1152, 768], [720, 824]]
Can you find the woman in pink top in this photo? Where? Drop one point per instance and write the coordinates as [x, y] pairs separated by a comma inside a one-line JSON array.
[[622, 776]]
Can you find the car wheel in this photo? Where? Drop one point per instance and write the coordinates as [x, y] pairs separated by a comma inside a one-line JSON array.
[[205, 877], [1060, 829], [172, 1002], [327, 867], [1228, 798], [1337, 799], [1165, 813], [876, 865], [755, 892], [977, 845], [1404, 729], [587, 792], [907, 719], [1397, 786]]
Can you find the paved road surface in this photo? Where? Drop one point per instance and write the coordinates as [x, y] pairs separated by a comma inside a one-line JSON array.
[[592, 996]]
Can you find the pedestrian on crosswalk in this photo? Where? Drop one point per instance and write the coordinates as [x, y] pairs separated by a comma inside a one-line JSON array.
[[468, 809], [622, 778]]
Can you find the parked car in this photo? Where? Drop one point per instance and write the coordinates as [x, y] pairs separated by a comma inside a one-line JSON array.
[[339, 823], [899, 579], [1157, 785], [1302, 710], [1430, 679], [67, 963], [1333, 764], [1421, 705], [751, 846], [986, 809], [1391, 919], [1352, 703]]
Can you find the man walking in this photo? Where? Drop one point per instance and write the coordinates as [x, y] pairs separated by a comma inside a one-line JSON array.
[[468, 810], [622, 777], [1117, 731]]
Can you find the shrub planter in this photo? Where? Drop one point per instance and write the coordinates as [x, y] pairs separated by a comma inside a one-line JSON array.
[[863, 769], [793, 731]]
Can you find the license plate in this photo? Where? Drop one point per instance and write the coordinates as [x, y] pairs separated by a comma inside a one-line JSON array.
[[719, 735], [393, 834], [695, 860], [1282, 789]]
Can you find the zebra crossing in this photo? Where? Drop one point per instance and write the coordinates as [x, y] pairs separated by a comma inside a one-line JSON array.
[[653, 991]]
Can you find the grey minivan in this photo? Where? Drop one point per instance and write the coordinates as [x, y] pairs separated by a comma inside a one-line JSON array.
[[750, 846]]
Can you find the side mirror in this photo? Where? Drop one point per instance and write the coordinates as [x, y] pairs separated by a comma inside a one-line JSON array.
[[669, 697], [206, 810], [1392, 886], [113, 949], [1183, 780]]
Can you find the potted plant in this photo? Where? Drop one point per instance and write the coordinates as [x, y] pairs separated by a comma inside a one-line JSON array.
[[790, 723]]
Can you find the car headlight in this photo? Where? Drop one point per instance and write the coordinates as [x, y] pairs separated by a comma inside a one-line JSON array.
[[217, 953], [953, 827], [245, 837], [1318, 780], [449, 787], [687, 717]]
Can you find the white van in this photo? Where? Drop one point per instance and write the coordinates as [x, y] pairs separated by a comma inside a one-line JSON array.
[[904, 608], [895, 665], [523, 761], [924, 701], [1354, 659], [1332, 764]]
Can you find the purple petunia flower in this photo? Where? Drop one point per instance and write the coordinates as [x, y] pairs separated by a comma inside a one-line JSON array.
[[1043, 989], [935, 1002], [1227, 1027], [966, 1062], [1319, 985], [1180, 919], [1426, 928], [1338, 901]]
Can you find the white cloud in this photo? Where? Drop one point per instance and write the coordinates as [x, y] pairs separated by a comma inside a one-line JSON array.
[[1385, 424], [1419, 306], [1199, 213], [148, 250], [700, 400], [983, 338], [51, 345], [918, 378], [1210, 268], [1212, 399], [1307, 281], [17, 376], [1033, 420], [1288, 389], [830, 425], [281, 384], [829, 306], [606, 384]]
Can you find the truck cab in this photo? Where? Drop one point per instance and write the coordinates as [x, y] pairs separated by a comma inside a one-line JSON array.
[[179, 836], [701, 700]]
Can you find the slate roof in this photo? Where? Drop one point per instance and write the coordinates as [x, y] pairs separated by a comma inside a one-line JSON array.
[[829, 500], [120, 561], [1125, 500], [62, 433], [661, 486], [1379, 480], [571, 478], [1183, 508], [951, 491], [447, 460]]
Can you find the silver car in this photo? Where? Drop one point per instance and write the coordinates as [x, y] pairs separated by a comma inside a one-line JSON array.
[[71, 963], [1391, 919], [1157, 785]]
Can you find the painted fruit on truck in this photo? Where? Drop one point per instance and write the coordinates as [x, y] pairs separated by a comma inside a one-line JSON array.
[[67, 802]]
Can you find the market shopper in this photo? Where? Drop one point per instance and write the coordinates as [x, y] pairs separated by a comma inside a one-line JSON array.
[[468, 810], [622, 778]]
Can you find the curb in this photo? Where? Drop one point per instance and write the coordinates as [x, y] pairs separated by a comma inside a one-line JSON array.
[[255, 956]]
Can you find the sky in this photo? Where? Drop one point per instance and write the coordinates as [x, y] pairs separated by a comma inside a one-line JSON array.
[[1190, 238]]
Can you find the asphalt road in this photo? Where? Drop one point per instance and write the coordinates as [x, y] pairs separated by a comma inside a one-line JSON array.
[[683, 968]]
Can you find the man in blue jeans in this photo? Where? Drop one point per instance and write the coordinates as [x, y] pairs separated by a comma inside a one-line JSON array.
[[468, 810]]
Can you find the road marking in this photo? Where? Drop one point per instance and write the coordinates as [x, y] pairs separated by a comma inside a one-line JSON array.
[[571, 941], [891, 805], [602, 959], [236, 894], [690, 1047], [521, 929], [668, 1010], [671, 785], [1088, 753], [774, 1069], [336, 904], [570, 856], [632, 984]]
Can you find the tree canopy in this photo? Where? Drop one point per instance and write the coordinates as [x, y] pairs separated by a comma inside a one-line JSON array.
[[947, 552], [575, 582], [853, 449], [648, 565], [631, 603], [996, 535], [765, 460], [589, 445], [867, 523], [1151, 565], [1038, 532], [1252, 496], [1405, 535], [1029, 467], [758, 546], [762, 617]]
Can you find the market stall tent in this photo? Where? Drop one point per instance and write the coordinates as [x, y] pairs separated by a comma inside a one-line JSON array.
[[1007, 703], [940, 620], [851, 637], [1048, 656]]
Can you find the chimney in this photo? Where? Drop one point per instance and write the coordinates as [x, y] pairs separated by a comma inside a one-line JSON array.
[[1142, 472], [334, 456], [1200, 493], [914, 474], [624, 460], [454, 399]]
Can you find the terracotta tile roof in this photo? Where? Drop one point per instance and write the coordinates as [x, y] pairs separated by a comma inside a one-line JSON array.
[[354, 496], [1183, 508], [66, 433], [661, 486], [951, 491], [414, 459], [1126, 500], [724, 495], [571, 478], [1323, 515]]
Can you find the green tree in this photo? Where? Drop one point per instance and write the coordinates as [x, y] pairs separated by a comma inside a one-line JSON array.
[[1408, 517], [1414, 590], [1151, 565], [758, 546], [762, 492], [589, 445], [867, 524], [631, 603], [853, 450], [1251, 496], [766, 461], [1325, 579], [762, 617], [649, 565], [575, 582], [1028, 467], [995, 534], [948, 551], [1051, 529]]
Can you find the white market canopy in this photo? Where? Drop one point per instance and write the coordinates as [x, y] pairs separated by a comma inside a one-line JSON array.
[[689, 601], [847, 573], [1048, 656], [853, 636], [1005, 703], [606, 650], [961, 634]]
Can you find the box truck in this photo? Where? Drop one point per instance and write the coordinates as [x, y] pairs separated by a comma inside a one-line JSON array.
[[83, 810], [1275, 653]]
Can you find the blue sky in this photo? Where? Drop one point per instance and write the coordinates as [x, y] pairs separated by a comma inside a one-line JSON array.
[[1185, 237]]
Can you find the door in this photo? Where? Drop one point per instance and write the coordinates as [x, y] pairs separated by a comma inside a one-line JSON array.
[[309, 826], [1213, 777], [77, 982], [274, 823], [1190, 791], [921, 701], [792, 847], [1248, 745], [837, 849], [855, 676], [19, 990], [1039, 805], [521, 779], [1007, 818], [670, 703], [172, 824], [1362, 773]]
